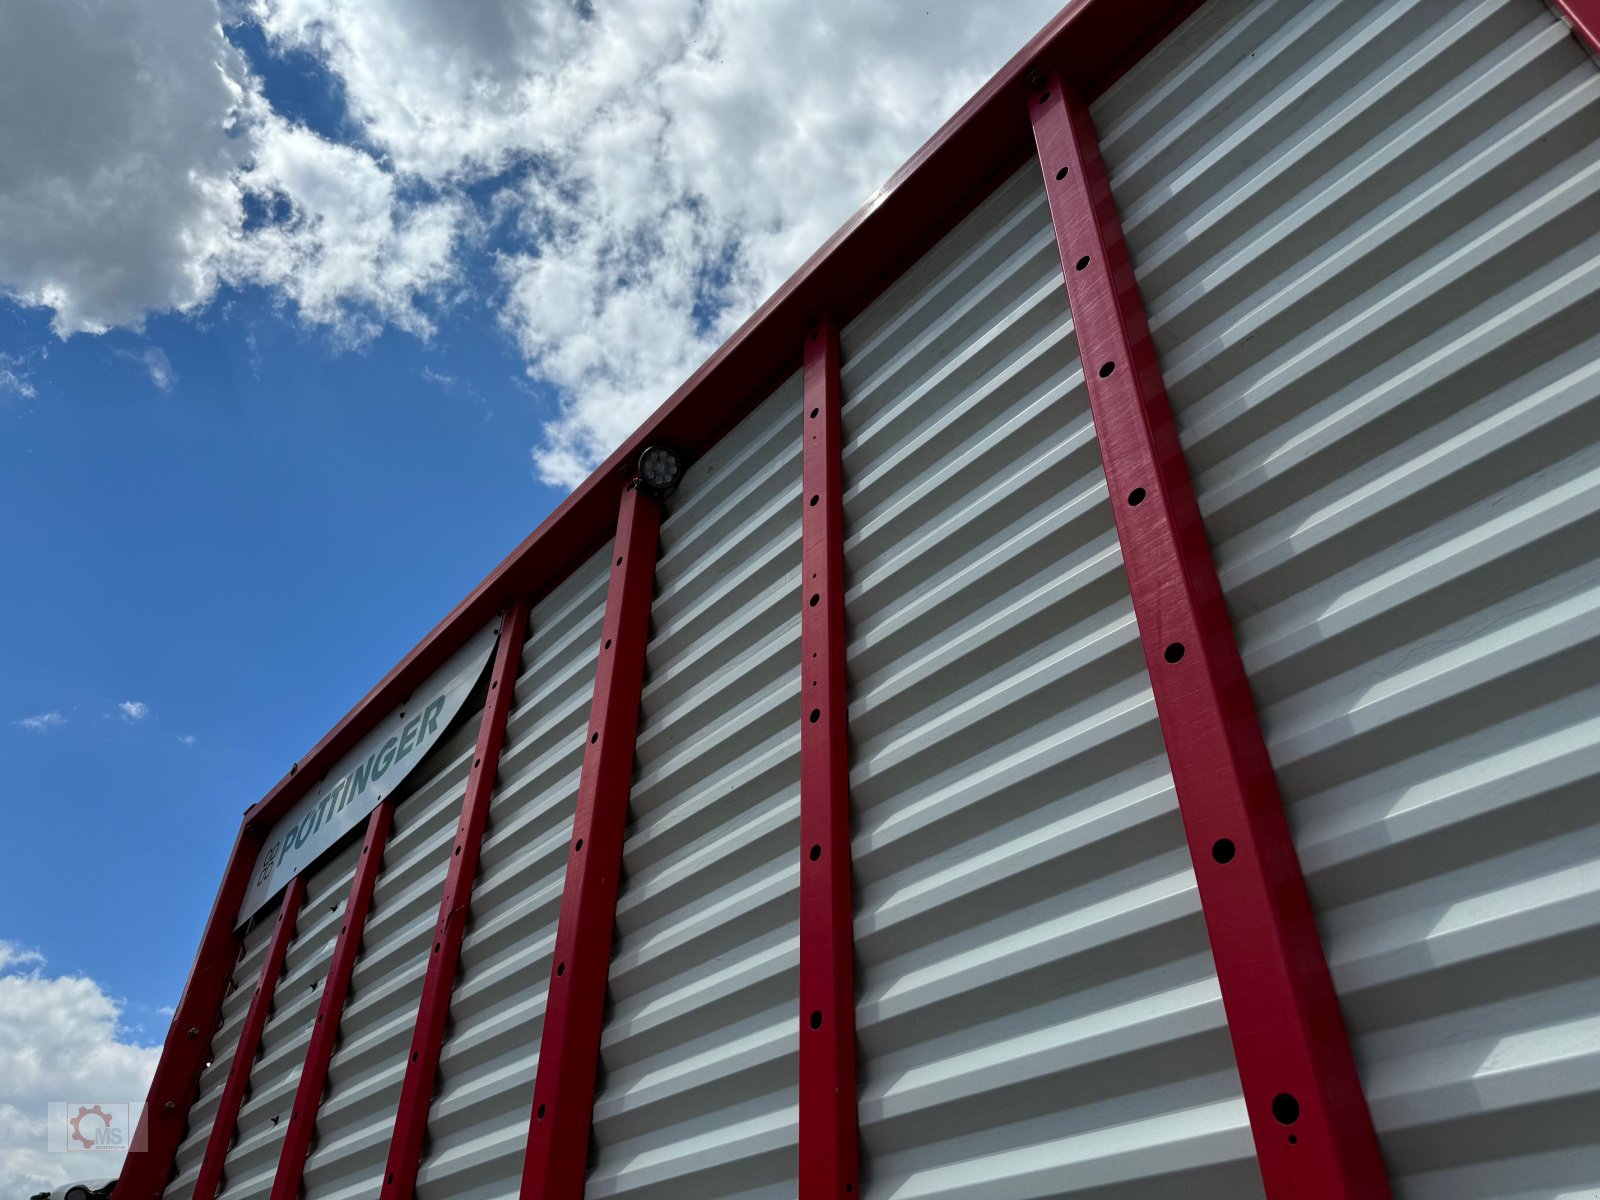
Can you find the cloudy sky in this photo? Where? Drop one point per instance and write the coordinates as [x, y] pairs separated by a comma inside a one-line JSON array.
[[309, 310]]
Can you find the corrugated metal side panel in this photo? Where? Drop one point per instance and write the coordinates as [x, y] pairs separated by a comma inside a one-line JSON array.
[[698, 1090], [1368, 238], [1038, 1013], [186, 1164], [478, 1126], [253, 1159], [357, 1113]]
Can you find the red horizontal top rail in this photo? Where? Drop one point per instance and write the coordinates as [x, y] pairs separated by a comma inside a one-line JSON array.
[[335, 989], [438, 983], [244, 1055], [1091, 42]]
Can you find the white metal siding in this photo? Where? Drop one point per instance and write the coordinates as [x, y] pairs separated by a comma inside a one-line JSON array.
[[357, 1114], [478, 1127], [186, 1164], [1368, 238], [425, 801], [1038, 1011], [264, 1116], [697, 1097]]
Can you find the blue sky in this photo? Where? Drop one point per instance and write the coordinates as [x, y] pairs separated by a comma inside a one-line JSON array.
[[245, 554], [309, 311]]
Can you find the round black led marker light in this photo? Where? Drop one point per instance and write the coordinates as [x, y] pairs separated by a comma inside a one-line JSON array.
[[660, 469]]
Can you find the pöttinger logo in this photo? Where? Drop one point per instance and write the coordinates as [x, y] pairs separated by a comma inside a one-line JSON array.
[[103, 1125]]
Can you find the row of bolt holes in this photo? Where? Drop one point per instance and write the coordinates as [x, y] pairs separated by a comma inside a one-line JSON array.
[[816, 853], [816, 715], [580, 842], [561, 968], [1223, 849], [1285, 1108]]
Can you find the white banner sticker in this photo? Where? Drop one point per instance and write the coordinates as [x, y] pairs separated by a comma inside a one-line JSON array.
[[378, 765]]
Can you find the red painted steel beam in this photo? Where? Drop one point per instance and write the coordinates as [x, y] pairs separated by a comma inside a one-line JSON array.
[[188, 1045], [433, 1010], [244, 1056], [1584, 18], [1313, 1134], [569, 1048], [828, 1142], [335, 990], [1093, 41]]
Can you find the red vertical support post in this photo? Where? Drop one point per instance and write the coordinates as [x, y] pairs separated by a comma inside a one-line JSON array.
[[569, 1048], [188, 1044], [336, 988], [828, 1154], [433, 1010], [244, 1056], [1313, 1134]]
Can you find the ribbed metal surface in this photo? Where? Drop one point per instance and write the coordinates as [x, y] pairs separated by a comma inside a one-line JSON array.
[[697, 1096], [246, 972], [253, 1159], [478, 1125], [1038, 1012], [357, 1113], [1368, 239]]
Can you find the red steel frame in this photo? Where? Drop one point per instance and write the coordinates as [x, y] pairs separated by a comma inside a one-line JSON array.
[[433, 1010], [569, 1047], [325, 1032], [828, 1151], [1091, 43], [1314, 1137], [244, 1056]]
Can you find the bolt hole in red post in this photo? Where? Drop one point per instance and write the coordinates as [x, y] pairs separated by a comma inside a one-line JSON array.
[[828, 1137], [409, 1133], [1283, 1016], [556, 1152], [1254, 890]]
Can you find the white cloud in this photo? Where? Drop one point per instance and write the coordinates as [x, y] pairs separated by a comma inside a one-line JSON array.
[[60, 1040], [133, 710], [687, 156], [41, 723], [187, 739], [658, 167], [14, 373], [352, 256], [133, 140], [13, 955], [156, 364]]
